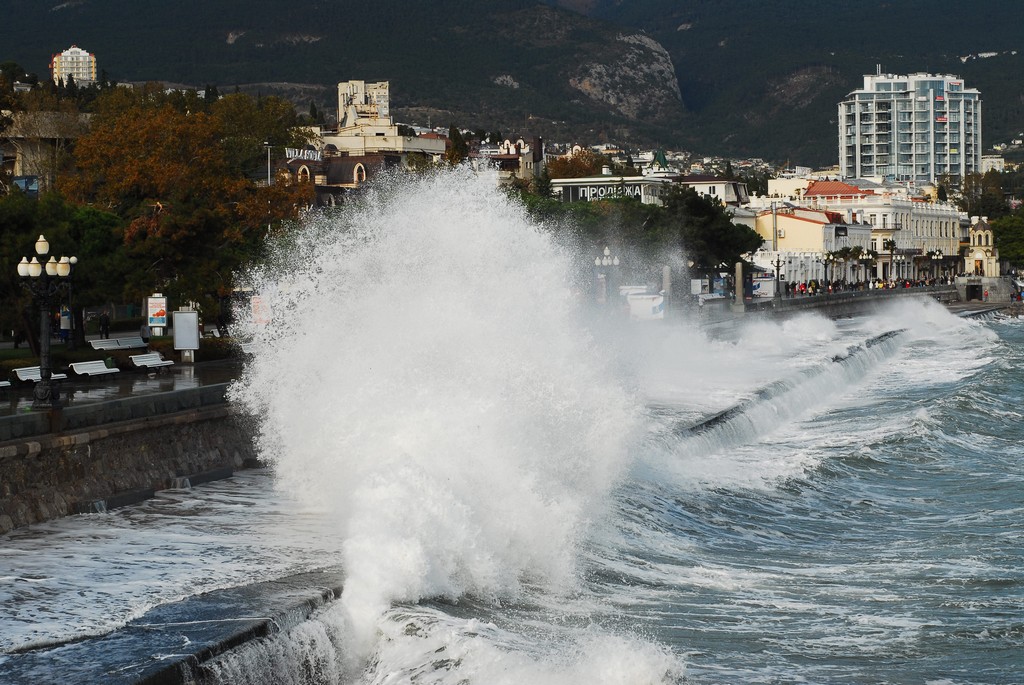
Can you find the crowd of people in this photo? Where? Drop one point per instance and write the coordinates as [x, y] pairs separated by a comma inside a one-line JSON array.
[[815, 287]]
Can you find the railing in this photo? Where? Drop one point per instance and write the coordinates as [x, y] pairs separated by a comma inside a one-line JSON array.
[[848, 299]]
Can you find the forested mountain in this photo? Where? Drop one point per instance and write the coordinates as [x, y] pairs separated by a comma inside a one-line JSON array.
[[766, 76], [738, 77]]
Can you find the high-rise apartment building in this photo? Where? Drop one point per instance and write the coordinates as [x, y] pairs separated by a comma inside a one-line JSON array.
[[915, 128], [74, 62]]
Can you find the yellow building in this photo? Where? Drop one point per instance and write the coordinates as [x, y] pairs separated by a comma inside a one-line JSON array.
[[982, 258], [798, 242]]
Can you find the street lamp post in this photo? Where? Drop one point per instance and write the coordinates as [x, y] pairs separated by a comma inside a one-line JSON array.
[[937, 260], [603, 265], [826, 259], [45, 282], [266, 144], [778, 277]]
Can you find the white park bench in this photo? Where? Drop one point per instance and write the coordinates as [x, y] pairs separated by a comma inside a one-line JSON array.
[[5, 384], [152, 360], [97, 367], [32, 373], [129, 343], [104, 344]]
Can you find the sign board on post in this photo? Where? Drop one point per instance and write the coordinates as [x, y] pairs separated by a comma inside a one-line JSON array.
[[764, 286], [261, 313], [186, 333], [156, 313]]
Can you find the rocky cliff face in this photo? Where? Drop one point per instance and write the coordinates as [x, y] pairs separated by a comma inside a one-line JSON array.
[[637, 80]]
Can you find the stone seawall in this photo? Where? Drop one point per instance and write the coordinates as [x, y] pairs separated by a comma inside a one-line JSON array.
[[92, 469]]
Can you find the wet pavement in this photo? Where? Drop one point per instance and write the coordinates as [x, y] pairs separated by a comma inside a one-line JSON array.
[[126, 383]]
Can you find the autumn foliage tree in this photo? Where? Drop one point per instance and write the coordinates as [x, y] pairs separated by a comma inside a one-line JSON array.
[[576, 165], [175, 170]]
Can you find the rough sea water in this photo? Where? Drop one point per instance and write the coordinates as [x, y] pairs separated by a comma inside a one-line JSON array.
[[518, 491]]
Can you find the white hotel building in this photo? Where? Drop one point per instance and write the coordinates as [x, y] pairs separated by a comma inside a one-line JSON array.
[[76, 63], [914, 129]]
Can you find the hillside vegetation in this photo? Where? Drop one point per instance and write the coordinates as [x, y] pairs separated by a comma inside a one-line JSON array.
[[737, 77]]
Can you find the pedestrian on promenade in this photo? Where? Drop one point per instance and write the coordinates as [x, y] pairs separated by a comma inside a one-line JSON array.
[[65, 323], [144, 332], [104, 324]]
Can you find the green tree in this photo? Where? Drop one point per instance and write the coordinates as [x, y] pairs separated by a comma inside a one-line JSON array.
[[418, 162], [458, 148], [757, 183], [542, 183], [982, 195], [91, 235], [179, 181], [1008, 235], [705, 230], [247, 124]]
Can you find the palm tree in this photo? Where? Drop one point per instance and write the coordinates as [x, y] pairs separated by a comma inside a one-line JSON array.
[[853, 254], [889, 245]]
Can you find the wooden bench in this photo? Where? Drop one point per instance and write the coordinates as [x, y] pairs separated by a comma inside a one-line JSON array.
[[5, 384], [152, 360], [247, 347], [32, 373], [97, 367], [104, 344]]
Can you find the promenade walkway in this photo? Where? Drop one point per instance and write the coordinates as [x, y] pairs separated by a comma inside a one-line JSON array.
[[129, 394], [18, 398]]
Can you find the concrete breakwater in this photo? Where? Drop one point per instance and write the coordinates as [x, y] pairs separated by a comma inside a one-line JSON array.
[[120, 454], [173, 643]]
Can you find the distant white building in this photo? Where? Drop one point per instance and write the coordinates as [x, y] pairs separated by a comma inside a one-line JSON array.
[[919, 229], [915, 128], [992, 163], [926, 234], [647, 189], [365, 143], [731, 193], [76, 63], [518, 157], [365, 126]]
